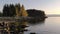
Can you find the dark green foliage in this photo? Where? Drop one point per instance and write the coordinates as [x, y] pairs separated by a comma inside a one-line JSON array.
[[5, 9], [38, 15], [12, 10], [1, 14], [35, 13], [8, 10]]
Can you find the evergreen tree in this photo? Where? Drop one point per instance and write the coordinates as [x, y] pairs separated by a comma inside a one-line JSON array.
[[9, 10], [5, 10]]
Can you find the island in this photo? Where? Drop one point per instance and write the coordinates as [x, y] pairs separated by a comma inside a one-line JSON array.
[[38, 15]]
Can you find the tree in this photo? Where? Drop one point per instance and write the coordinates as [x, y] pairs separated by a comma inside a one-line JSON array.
[[9, 10], [1, 14], [12, 10], [5, 10]]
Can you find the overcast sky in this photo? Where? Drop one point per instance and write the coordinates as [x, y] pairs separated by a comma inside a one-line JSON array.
[[49, 6]]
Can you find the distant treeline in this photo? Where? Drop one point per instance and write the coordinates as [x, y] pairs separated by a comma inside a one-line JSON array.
[[36, 13], [10, 11]]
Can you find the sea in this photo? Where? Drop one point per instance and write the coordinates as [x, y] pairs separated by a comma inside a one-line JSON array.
[[51, 25]]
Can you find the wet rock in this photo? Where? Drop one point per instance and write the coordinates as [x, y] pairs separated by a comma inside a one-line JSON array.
[[33, 33]]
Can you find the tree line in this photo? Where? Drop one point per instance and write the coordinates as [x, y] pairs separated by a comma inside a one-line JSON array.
[[9, 10]]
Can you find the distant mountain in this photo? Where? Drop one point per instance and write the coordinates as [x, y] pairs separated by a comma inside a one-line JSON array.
[[53, 15]]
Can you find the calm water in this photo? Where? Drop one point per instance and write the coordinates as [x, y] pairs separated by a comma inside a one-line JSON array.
[[50, 26]]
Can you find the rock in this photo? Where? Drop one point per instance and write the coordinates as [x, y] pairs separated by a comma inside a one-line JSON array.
[[32, 33]]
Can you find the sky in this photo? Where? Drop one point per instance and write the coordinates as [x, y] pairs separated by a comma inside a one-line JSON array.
[[49, 6]]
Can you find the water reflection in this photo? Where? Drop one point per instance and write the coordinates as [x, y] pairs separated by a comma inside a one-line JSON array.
[[17, 27], [50, 26], [35, 27], [35, 23]]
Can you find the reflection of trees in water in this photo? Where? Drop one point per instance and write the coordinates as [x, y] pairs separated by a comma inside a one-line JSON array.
[[35, 23], [36, 20], [17, 27]]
